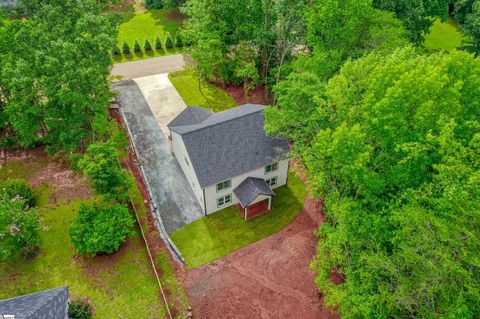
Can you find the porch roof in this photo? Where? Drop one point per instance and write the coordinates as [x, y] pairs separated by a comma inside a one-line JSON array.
[[250, 189]]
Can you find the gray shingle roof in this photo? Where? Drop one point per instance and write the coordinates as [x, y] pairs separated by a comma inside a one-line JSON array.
[[230, 143], [250, 189], [47, 304], [191, 115]]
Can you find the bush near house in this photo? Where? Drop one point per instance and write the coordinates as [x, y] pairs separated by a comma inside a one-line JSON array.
[[79, 309], [100, 228]]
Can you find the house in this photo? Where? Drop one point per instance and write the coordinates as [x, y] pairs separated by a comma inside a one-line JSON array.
[[47, 304], [228, 159]]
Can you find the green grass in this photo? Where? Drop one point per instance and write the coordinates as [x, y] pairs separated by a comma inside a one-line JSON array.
[[443, 36], [141, 25], [212, 97], [225, 231], [119, 286]]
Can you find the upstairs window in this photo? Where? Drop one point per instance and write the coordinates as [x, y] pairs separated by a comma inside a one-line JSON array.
[[223, 201], [224, 185], [271, 168]]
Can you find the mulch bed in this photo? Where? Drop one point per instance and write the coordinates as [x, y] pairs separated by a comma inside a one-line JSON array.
[[256, 96]]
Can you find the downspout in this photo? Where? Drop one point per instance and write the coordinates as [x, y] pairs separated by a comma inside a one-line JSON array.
[[204, 202]]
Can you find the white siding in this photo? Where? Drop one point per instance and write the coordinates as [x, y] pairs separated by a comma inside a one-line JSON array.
[[211, 193], [182, 157]]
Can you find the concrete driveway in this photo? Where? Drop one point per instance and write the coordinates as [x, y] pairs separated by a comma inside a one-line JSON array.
[[177, 205], [142, 68]]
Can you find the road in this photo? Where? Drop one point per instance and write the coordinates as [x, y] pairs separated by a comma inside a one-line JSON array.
[[153, 66]]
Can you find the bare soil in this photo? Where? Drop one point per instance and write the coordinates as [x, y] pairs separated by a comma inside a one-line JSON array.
[[268, 279]]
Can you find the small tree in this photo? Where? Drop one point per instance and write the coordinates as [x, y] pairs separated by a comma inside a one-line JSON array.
[[136, 47], [18, 188], [178, 41], [19, 227], [147, 46], [100, 228], [158, 44], [125, 48], [100, 163], [115, 50], [168, 41]]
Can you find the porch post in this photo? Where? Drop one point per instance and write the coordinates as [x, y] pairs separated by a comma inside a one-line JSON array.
[[269, 202], [245, 211]]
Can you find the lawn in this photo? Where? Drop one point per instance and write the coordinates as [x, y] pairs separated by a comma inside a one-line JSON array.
[[212, 97], [225, 231], [443, 36], [121, 285], [149, 24]]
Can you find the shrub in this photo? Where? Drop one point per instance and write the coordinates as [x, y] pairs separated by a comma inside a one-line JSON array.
[[178, 41], [147, 46], [136, 47], [125, 47], [116, 50], [13, 188], [19, 228], [79, 309], [158, 44], [168, 41], [100, 228], [154, 4], [101, 164]]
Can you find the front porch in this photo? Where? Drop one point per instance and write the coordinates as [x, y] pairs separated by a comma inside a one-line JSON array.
[[256, 209]]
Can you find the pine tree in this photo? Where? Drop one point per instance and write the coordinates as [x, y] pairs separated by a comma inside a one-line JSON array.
[[168, 41], [136, 47], [147, 46], [125, 47], [178, 41], [158, 43], [115, 50]]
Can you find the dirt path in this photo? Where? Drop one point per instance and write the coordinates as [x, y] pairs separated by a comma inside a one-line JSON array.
[[268, 279]]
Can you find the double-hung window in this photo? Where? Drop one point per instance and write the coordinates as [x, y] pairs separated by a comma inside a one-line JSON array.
[[271, 182], [224, 201], [224, 185], [271, 168]]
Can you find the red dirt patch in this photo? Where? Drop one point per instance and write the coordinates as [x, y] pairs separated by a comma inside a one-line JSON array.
[[257, 96], [268, 279]]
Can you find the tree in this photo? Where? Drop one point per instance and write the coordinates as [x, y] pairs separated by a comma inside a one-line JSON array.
[[158, 43], [470, 25], [19, 227], [125, 48], [100, 228], [18, 189], [390, 148], [154, 4], [147, 46], [168, 41], [101, 164], [136, 47], [178, 41], [55, 76], [116, 50]]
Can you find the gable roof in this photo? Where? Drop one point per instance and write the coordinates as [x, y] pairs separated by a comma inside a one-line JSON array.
[[191, 115], [51, 303], [230, 143], [250, 189]]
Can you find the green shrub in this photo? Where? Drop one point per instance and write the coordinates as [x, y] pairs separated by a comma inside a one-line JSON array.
[[13, 188], [178, 41], [147, 46], [158, 44], [19, 228], [79, 309], [125, 47], [168, 41], [116, 50], [136, 47], [100, 228], [154, 4]]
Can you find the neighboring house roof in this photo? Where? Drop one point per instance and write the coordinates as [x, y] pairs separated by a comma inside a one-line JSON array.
[[47, 304], [191, 115], [250, 189], [229, 143]]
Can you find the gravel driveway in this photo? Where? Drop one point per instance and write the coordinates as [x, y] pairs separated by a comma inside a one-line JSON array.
[[176, 202]]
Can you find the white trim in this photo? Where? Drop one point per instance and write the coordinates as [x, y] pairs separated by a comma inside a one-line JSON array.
[[224, 189], [225, 203]]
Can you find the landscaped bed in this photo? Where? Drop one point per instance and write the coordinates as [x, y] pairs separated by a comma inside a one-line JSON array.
[[121, 285], [225, 231], [209, 97]]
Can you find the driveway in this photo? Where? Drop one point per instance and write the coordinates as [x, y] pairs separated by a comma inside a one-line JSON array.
[[171, 192], [159, 65]]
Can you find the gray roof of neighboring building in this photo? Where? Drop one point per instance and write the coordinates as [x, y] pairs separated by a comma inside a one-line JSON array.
[[191, 115], [250, 189], [47, 304], [230, 143]]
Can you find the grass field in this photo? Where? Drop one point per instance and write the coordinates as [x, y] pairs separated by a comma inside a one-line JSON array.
[[121, 285], [212, 97], [443, 36], [149, 24], [225, 231]]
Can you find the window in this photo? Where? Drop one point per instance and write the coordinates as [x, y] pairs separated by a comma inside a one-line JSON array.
[[223, 201], [224, 185], [271, 168], [271, 182]]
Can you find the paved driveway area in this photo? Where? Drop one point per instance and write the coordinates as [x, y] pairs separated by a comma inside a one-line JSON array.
[[177, 205], [163, 99], [142, 68]]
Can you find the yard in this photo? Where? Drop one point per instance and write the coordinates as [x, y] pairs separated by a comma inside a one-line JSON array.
[[209, 97], [443, 36], [148, 24], [121, 285], [225, 231]]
